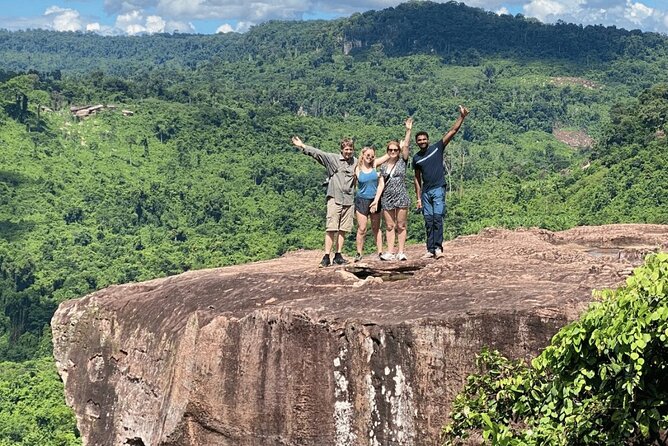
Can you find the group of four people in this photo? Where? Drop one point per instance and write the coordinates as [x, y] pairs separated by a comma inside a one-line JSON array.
[[384, 189]]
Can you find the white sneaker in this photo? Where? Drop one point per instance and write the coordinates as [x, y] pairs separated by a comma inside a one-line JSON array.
[[401, 256], [386, 256], [438, 254], [428, 255]]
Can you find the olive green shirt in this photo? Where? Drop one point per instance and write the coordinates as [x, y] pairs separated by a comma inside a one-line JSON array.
[[341, 174]]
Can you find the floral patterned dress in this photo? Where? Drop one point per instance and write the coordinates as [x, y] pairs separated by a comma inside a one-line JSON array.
[[395, 194]]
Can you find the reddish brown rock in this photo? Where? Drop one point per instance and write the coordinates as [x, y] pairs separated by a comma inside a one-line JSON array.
[[283, 353]]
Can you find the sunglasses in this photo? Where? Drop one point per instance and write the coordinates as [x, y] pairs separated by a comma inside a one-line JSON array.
[[392, 150]]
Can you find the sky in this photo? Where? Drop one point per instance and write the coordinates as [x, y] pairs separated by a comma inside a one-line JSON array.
[[130, 17]]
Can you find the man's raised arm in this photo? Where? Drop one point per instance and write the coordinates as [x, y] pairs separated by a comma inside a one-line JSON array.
[[447, 137], [326, 159]]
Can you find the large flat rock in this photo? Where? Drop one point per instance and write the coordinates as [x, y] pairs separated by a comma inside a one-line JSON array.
[[284, 353]]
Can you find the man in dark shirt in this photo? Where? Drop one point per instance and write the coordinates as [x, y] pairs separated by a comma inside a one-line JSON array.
[[430, 183], [341, 174]]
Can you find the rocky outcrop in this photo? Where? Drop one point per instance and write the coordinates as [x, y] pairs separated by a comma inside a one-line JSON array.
[[283, 353]]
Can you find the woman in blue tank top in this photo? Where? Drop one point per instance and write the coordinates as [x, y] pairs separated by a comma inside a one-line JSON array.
[[367, 184]]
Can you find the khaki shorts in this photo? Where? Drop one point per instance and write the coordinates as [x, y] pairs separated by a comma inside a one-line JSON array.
[[339, 217]]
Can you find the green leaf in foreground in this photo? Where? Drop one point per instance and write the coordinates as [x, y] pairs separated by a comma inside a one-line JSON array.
[[601, 381]]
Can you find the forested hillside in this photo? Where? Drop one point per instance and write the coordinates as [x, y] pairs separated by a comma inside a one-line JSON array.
[[202, 174], [458, 34]]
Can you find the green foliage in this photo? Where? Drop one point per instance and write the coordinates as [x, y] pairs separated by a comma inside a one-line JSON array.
[[602, 381], [32, 407]]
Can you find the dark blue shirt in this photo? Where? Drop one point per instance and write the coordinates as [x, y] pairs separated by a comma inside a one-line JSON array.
[[430, 165]]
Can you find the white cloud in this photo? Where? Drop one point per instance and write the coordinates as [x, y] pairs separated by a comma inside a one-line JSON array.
[[621, 13], [241, 27], [130, 22], [63, 19], [502, 11], [54, 10], [544, 9], [155, 24], [178, 26], [134, 22], [94, 27], [57, 19], [225, 28], [637, 12]]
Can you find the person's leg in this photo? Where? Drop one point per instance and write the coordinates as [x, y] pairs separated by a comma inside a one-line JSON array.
[[361, 230], [439, 215], [378, 234], [390, 224], [402, 218], [345, 226], [329, 241], [428, 214], [340, 241], [331, 229]]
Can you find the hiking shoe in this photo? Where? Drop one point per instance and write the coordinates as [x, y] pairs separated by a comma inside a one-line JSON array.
[[338, 259], [325, 261], [439, 253], [428, 255], [386, 256], [358, 257], [401, 256]]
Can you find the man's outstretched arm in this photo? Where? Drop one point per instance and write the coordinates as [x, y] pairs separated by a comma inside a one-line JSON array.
[[326, 159], [447, 137]]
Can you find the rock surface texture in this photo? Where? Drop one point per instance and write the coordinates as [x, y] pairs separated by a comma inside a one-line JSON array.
[[284, 353]]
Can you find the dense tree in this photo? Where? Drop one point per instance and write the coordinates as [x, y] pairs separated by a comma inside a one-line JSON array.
[[32, 409]]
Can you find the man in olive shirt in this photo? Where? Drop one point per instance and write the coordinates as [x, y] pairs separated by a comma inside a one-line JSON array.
[[341, 174]]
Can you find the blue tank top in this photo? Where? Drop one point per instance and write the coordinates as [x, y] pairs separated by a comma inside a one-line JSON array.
[[367, 184]]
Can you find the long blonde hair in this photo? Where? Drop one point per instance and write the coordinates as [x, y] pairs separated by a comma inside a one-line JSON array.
[[360, 160]]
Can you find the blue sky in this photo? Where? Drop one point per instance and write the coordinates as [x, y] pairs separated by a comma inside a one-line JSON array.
[[210, 16]]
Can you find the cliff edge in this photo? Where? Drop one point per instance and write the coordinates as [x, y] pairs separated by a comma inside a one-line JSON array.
[[284, 353]]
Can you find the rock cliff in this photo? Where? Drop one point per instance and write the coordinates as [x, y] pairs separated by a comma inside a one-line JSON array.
[[283, 353]]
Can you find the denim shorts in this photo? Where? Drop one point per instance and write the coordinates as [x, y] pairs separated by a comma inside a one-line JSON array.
[[362, 205]]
